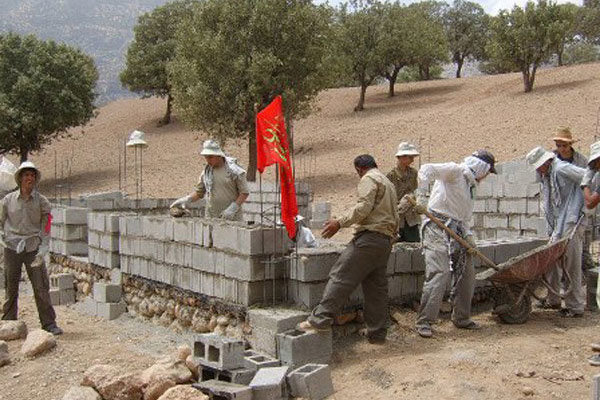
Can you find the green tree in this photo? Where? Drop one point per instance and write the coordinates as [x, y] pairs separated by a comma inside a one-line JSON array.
[[234, 56], [523, 39], [581, 52], [467, 29], [431, 48], [588, 21], [360, 40], [152, 48], [565, 26], [45, 89]]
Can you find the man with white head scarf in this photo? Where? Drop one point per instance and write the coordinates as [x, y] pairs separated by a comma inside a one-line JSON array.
[[563, 204], [446, 261]]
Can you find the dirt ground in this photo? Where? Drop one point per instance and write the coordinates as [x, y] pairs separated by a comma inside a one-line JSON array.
[[545, 357]]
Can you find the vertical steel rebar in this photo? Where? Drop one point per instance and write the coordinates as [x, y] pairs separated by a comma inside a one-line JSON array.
[[274, 255]]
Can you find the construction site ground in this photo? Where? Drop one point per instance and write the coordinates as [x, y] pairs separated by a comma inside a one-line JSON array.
[[542, 359]]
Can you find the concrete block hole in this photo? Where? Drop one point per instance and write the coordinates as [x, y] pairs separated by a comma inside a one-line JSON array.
[[199, 349], [307, 369], [213, 354]]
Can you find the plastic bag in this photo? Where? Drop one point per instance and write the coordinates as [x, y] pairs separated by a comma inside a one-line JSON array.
[[7, 175], [305, 237]]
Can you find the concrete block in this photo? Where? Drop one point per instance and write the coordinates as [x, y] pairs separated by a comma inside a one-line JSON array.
[[116, 276], [109, 242], [417, 260], [258, 361], [183, 230], [296, 348], [240, 376], [207, 240], [107, 292], [403, 257], [305, 294], [517, 190], [505, 251], [54, 296], [110, 311], [75, 216], [62, 281], [502, 233], [311, 381], [67, 296], [485, 188], [495, 221], [276, 320], [207, 284], [219, 352], [596, 387], [270, 383], [533, 206], [512, 206], [217, 389], [391, 263], [96, 221], [112, 223], [133, 226], [514, 221], [491, 205], [479, 205], [203, 259], [198, 232], [534, 223], [263, 340], [94, 239], [533, 190], [310, 265]]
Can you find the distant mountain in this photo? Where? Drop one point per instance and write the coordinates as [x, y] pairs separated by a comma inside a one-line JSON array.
[[101, 28]]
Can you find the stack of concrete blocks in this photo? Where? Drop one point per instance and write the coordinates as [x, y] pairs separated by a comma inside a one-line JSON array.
[[296, 348], [221, 358], [267, 323], [103, 239], [221, 259], [311, 381], [62, 289], [68, 234], [252, 206], [509, 204], [106, 302]]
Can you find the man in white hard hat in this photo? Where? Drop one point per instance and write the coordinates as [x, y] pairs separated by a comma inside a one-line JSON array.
[[223, 182], [446, 261], [563, 203], [25, 221], [404, 178]]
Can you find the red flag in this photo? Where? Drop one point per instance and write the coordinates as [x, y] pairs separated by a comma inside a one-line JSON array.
[[272, 148]]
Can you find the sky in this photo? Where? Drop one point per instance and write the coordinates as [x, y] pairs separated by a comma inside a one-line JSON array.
[[492, 7]]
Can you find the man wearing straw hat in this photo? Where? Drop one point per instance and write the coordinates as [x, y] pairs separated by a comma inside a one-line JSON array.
[[25, 221], [223, 182], [447, 261], [563, 140], [563, 203], [404, 178]]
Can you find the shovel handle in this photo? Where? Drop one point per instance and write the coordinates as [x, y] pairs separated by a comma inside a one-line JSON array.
[[455, 236]]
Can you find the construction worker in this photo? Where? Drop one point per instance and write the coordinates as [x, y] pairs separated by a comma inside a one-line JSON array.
[[404, 178], [364, 260], [25, 222], [563, 203], [224, 183], [563, 140], [446, 261]]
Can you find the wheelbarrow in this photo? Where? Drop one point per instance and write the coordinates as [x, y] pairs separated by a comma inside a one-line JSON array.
[[518, 277]]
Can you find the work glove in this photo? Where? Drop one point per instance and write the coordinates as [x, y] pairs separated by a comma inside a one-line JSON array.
[[182, 202], [588, 177], [230, 211]]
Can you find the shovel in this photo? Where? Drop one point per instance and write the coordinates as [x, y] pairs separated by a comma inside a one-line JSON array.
[[453, 235]]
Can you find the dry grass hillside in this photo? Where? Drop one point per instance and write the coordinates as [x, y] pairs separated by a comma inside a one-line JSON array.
[[450, 118]]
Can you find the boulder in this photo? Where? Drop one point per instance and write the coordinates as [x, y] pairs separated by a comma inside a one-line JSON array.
[[193, 364], [13, 330], [183, 352], [37, 342], [81, 393], [111, 384], [156, 388], [4, 357], [168, 368], [183, 392]]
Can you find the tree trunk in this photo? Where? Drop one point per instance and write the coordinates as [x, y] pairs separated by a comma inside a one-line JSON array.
[[392, 80], [23, 153], [560, 58], [459, 64], [167, 118], [526, 80], [251, 173], [361, 99]]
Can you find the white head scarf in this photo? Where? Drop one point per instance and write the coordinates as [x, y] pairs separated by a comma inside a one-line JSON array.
[[478, 167]]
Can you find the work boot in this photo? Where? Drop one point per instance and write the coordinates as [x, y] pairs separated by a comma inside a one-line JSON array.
[[594, 360], [54, 329], [373, 339], [306, 326], [568, 313], [425, 331], [545, 305], [470, 325]]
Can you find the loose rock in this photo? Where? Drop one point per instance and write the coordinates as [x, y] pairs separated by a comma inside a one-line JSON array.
[[13, 330], [157, 388], [112, 386], [81, 393], [166, 368], [37, 342], [183, 352], [183, 392], [4, 357]]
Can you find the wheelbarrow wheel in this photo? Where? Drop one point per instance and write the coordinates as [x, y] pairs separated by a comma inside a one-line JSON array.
[[511, 313]]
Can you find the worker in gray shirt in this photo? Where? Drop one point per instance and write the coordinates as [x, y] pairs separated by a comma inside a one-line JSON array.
[[24, 220]]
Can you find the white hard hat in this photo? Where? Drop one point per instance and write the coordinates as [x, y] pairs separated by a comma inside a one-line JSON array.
[[27, 165], [210, 147], [594, 152], [538, 156], [136, 138], [407, 149]]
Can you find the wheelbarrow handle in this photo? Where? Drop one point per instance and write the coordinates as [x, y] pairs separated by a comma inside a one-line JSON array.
[[455, 236]]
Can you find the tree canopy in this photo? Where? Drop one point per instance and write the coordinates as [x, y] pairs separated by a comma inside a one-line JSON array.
[[152, 48], [234, 56], [45, 89]]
